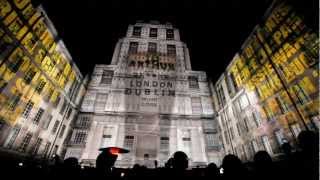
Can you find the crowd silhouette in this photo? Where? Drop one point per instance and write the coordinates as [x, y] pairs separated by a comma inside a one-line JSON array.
[[302, 163]]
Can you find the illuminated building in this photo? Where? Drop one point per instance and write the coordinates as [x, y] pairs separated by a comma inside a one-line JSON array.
[[40, 86], [148, 101], [270, 90]]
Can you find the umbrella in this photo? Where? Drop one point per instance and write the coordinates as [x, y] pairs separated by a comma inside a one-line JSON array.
[[114, 150]]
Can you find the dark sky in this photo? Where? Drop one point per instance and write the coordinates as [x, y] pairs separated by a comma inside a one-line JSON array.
[[213, 29]]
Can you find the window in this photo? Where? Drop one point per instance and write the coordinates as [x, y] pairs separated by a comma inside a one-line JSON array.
[[55, 127], [295, 129], [136, 31], [25, 142], [279, 136], [128, 142], [210, 139], [170, 34], [196, 105], [171, 50], [153, 32], [15, 60], [29, 75], [107, 76], [107, 139], [38, 116], [84, 121], [12, 137], [36, 146], [256, 119], [63, 107], [46, 149], [13, 102], [69, 113], [80, 137], [221, 96], [254, 146], [40, 86], [301, 94], [101, 101], [193, 82], [232, 133], [244, 102], [282, 104], [245, 122], [164, 143], [133, 47], [27, 109], [55, 150], [62, 131], [266, 144], [152, 47]]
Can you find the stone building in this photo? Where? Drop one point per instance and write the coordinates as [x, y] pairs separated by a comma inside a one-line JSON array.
[[40, 86], [270, 90], [149, 101]]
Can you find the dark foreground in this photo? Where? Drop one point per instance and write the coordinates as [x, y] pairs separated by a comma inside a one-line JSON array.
[[301, 164]]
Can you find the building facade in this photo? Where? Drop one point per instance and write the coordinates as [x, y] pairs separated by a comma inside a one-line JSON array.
[[40, 86], [270, 90], [147, 100]]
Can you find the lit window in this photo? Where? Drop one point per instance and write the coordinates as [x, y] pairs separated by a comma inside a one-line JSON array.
[[55, 127], [193, 82], [46, 149], [38, 116], [25, 142], [107, 76], [36, 146], [80, 137], [133, 47], [171, 50], [153, 32], [62, 131], [27, 109], [40, 86], [266, 144], [136, 31], [170, 34], [295, 129], [152, 47]]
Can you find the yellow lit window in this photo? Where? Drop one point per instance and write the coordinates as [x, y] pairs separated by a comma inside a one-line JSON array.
[[5, 8], [10, 18], [28, 11], [29, 42], [34, 17], [40, 55], [21, 3], [39, 28]]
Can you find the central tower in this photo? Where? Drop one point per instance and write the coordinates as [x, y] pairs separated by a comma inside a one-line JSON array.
[[148, 101]]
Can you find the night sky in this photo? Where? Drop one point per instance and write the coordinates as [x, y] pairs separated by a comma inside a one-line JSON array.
[[213, 30]]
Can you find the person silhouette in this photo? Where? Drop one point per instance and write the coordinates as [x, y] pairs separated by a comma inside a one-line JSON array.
[[180, 163], [263, 166], [106, 160], [212, 171], [307, 159], [71, 167], [233, 168]]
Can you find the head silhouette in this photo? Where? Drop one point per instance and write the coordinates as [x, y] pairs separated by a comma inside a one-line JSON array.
[[212, 170], [308, 141], [180, 161], [231, 164], [262, 159], [71, 163]]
